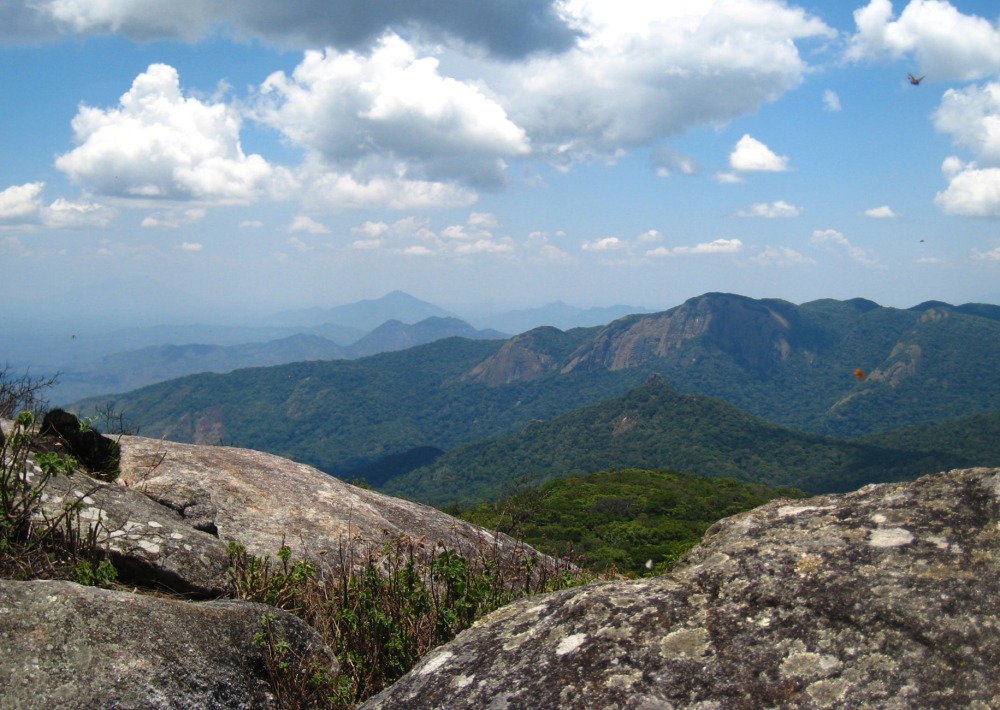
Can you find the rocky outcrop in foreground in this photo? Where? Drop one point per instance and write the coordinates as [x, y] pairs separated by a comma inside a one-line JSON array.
[[887, 597], [261, 501], [165, 524], [69, 646]]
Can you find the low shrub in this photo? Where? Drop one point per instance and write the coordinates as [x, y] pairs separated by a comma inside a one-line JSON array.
[[383, 610], [35, 543]]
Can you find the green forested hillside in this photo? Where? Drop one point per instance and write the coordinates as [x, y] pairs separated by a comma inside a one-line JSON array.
[[655, 426], [621, 519], [794, 365], [975, 438], [341, 416]]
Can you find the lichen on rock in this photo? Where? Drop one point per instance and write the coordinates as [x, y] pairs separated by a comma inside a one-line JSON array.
[[886, 597]]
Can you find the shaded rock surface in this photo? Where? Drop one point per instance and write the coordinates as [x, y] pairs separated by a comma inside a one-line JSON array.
[[70, 646], [149, 544], [94, 450], [887, 597], [261, 500]]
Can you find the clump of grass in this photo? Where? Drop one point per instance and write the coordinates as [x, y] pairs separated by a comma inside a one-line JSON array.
[[383, 610]]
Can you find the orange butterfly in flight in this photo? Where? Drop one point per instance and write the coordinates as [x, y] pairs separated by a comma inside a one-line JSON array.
[[915, 80], [859, 373]]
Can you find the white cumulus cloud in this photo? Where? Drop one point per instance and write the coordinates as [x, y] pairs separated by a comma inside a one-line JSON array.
[[340, 191], [487, 246], [946, 43], [972, 191], [718, 246], [728, 178], [174, 219], [750, 155], [22, 206], [416, 250], [21, 201], [779, 208], [605, 244], [303, 223], [972, 117], [881, 212], [646, 70], [159, 144], [392, 115]]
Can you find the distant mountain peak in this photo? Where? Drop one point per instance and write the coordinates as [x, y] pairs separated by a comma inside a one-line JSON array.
[[368, 314]]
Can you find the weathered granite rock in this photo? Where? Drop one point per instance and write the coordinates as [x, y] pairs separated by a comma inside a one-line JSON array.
[[149, 544], [261, 500], [888, 597], [69, 646]]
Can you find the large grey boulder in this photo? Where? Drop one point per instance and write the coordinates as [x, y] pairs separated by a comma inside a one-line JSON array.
[[69, 646], [888, 597], [261, 500], [149, 544]]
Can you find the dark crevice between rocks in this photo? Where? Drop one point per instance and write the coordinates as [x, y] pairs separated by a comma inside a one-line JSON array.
[[134, 572]]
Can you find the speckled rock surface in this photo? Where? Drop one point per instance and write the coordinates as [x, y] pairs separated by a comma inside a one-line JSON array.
[[69, 646], [259, 500], [888, 597], [150, 545]]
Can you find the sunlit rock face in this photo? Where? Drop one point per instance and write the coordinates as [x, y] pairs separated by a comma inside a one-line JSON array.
[[886, 597], [264, 501], [150, 545]]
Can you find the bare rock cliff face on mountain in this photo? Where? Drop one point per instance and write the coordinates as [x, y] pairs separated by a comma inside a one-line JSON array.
[[519, 360], [754, 333], [887, 597], [263, 501]]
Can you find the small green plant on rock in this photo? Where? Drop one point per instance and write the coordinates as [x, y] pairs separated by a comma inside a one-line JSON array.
[[33, 543], [53, 463], [18, 493]]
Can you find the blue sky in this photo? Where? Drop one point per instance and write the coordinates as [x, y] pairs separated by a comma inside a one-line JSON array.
[[198, 158]]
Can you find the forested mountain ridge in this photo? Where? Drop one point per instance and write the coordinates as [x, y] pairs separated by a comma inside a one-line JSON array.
[[844, 368], [341, 415], [787, 364], [655, 426]]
